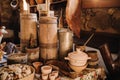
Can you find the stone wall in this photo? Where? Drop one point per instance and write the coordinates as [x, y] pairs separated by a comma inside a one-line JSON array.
[[102, 19], [9, 15]]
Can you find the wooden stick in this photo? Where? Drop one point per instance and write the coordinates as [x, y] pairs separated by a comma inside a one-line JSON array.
[[88, 39]]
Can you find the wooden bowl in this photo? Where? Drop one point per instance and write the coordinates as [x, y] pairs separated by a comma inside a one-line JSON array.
[[77, 69]]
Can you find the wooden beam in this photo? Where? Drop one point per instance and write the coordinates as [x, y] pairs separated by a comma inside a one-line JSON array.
[[100, 3], [59, 2]]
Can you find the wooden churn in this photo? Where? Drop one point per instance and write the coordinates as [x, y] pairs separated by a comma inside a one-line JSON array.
[[48, 38], [28, 25]]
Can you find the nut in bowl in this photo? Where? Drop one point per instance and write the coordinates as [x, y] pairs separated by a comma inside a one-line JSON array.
[[17, 72], [46, 69]]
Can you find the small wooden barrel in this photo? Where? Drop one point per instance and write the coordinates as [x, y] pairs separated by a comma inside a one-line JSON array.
[[48, 37], [28, 27], [33, 54]]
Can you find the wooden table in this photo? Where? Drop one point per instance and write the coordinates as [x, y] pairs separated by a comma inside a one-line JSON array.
[[89, 74]]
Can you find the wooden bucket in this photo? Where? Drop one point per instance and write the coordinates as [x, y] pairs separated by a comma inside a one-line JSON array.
[[48, 37], [28, 27], [33, 54]]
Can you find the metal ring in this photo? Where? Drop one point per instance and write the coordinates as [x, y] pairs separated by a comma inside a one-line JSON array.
[[14, 3]]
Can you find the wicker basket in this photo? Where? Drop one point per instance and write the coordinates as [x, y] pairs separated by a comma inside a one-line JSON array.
[[28, 77], [20, 59]]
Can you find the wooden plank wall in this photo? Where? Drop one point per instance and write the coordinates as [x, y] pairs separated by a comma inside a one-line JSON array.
[[100, 3], [0, 14]]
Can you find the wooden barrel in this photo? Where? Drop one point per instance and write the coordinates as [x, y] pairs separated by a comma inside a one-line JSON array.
[[48, 37], [28, 23]]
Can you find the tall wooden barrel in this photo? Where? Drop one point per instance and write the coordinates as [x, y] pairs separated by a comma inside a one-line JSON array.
[[48, 37], [28, 23]]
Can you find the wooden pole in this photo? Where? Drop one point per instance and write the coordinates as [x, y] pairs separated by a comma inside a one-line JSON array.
[[48, 6]]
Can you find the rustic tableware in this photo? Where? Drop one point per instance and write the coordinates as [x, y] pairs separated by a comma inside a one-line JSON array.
[[45, 76], [77, 58], [46, 69], [78, 69], [30, 71], [92, 54], [94, 58], [55, 73], [31, 76], [52, 76], [37, 66], [15, 58]]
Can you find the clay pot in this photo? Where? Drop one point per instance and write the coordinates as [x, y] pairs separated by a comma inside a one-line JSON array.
[[46, 69], [37, 66], [93, 55], [78, 69], [77, 58], [94, 58]]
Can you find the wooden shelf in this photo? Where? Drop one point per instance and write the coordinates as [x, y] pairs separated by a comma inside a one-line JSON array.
[[91, 3], [59, 2], [57, 5]]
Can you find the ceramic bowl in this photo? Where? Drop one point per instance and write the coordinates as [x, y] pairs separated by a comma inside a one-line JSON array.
[[77, 58], [44, 76], [46, 69], [78, 69]]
